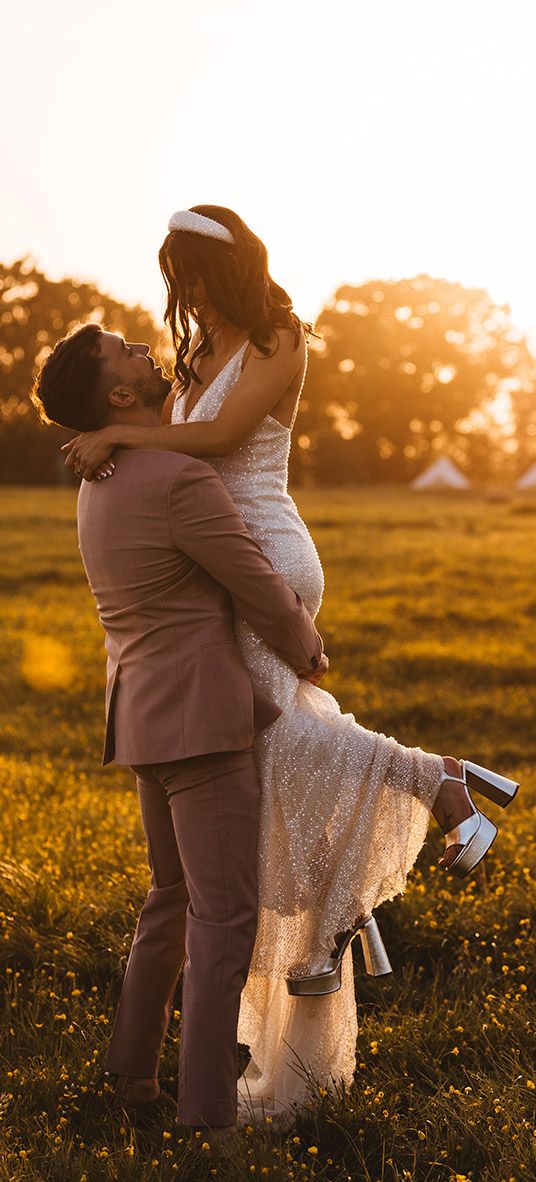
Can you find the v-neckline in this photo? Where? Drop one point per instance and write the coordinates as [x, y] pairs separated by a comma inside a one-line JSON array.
[[187, 416]]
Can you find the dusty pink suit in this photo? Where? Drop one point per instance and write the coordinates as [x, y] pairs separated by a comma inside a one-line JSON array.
[[170, 562]]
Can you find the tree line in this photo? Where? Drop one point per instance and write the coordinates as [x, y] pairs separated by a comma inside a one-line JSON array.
[[399, 372], [35, 312]]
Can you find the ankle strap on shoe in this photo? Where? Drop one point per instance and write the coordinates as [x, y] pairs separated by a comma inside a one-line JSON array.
[[445, 775]]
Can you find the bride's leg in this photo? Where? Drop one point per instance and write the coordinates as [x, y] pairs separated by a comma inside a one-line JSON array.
[[451, 807]]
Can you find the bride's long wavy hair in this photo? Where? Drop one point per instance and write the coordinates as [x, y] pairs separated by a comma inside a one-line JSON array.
[[237, 282]]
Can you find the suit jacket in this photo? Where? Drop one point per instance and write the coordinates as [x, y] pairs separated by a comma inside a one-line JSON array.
[[170, 561]]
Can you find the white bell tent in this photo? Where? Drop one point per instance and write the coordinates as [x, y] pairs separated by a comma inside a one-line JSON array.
[[528, 480], [443, 473]]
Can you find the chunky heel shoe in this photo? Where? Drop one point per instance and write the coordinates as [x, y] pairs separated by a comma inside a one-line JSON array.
[[496, 788], [475, 835], [377, 963], [328, 980]]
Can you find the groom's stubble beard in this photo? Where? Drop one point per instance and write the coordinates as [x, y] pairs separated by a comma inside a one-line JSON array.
[[153, 392]]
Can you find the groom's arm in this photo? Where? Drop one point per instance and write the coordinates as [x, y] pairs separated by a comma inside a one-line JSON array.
[[206, 525]]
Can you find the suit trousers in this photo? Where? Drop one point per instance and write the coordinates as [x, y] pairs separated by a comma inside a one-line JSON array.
[[201, 818]]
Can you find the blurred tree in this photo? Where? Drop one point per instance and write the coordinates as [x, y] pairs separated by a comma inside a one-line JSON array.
[[34, 313], [404, 370], [522, 392]]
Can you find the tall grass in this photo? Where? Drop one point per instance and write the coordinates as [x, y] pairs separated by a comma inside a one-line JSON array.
[[428, 619]]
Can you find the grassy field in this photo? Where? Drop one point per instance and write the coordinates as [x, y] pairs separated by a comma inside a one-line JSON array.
[[429, 620]]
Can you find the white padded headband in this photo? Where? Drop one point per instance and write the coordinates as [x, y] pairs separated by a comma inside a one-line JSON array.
[[196, 223]]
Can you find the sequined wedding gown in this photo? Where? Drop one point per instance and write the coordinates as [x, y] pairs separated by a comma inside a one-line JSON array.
[[345, 810]]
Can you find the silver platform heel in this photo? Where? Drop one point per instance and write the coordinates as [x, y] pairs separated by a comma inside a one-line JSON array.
[[496, 788], [328, 979], [377, 963], [475, 835]]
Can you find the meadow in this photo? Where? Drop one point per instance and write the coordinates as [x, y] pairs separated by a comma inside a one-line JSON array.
[[429, 619]]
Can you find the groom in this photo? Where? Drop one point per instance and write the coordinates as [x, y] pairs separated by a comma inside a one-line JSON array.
[[170, 562]]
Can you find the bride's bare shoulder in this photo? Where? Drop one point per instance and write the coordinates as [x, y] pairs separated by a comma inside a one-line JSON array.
[[285, 347]]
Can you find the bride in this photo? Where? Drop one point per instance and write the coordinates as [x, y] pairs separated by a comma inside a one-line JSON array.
[[345, 810]]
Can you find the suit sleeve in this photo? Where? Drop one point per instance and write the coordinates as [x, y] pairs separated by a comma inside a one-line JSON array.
[[206, 525]]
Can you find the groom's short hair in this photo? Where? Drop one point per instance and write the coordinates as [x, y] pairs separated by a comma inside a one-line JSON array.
[[69, 389]]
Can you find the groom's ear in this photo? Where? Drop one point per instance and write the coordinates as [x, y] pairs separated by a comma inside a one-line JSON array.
[[121, 396]]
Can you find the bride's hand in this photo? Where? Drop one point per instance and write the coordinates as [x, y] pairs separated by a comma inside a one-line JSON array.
[[89, 454]]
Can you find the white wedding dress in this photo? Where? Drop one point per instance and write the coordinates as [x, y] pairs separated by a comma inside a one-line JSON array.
[[344, 815]]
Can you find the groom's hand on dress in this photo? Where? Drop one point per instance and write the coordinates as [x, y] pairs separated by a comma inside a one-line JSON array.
[[315, 675]]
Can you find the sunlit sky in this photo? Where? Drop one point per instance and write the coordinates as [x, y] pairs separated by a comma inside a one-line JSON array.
[[359, 138]]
